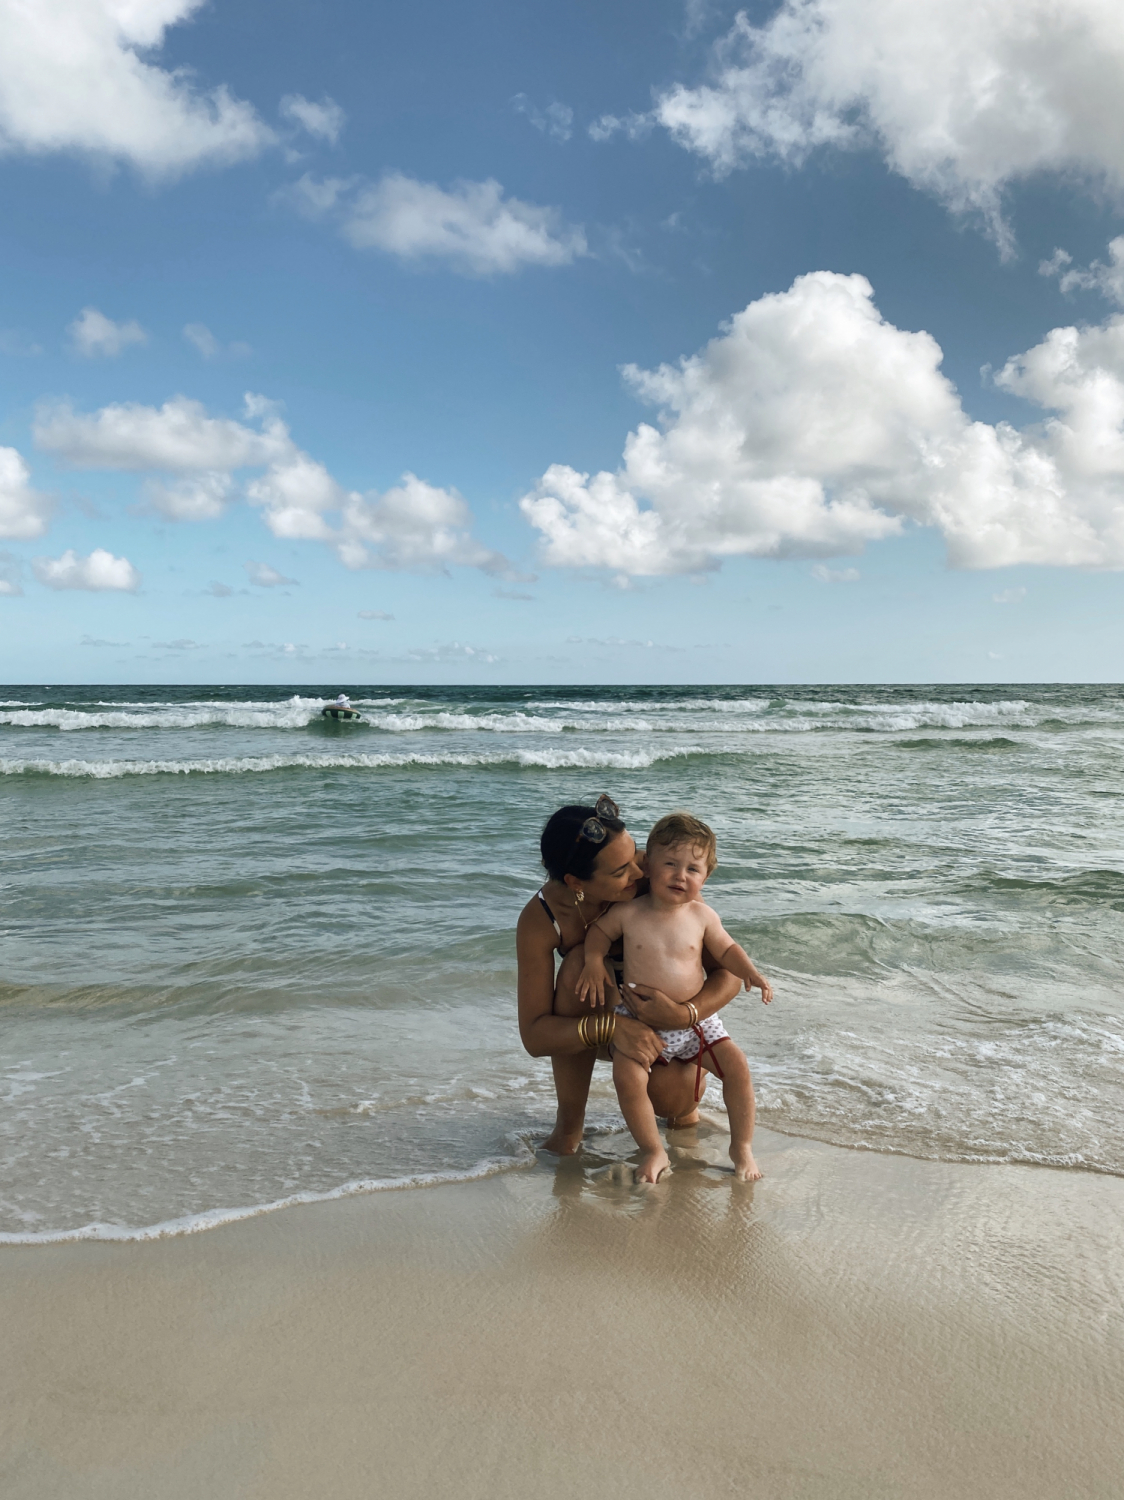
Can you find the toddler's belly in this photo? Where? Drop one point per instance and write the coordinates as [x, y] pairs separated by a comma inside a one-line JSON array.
[[677, 981]]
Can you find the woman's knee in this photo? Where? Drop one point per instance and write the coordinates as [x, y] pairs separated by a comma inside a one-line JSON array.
[[566, 1002]]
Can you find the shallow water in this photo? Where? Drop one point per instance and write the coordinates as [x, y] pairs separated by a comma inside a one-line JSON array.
[[250, 955]]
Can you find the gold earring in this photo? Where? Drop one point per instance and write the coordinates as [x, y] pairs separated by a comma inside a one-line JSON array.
[[579, 895]]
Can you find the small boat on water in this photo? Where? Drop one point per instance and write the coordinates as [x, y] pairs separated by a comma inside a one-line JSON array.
[[341, 710]]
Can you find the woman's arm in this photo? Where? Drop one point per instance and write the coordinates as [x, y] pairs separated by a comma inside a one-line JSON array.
[[654, 1008], [542, 1033], [545, 1034]]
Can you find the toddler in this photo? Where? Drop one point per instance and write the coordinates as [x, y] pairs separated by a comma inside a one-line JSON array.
[[664, 936]]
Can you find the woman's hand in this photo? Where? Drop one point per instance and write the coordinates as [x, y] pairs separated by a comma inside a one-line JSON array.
[[654, 1008], [636, 1040]]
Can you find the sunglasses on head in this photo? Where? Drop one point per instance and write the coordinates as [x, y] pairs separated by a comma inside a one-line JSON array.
[[593, 830]]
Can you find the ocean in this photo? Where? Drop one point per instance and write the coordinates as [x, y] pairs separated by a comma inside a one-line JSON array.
[[250, 957]]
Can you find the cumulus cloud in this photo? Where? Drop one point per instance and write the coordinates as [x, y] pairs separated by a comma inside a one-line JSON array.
[[824, 574], [452, 652], [24, 512], [265, 576], [197, 497], [98, 572], [313, 198], [811, 427], [555, 121], [200, 337], [77, 76], [417, 527], [471, 227], [413, 526], [962, 97], [1096, 277], [11, 570], [324, 120], [179, 436], [92, 333]]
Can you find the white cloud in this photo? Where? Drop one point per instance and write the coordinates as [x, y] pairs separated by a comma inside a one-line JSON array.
[[24, 512], [556, 120], [219, 590], [100, 571], [413, 526], [197, 497], [1009, 596], [1097, 277], [178, 436], [201, 337], [811, 427], [323, 120], [73, 79], [417, 527], [313, 199], [634, 127], [472, 227], [824, 574], [452, 652], [11, 570], [265, 576], [962, 97], [92, 333]]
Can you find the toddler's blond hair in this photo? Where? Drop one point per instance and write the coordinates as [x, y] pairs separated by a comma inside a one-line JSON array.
[[684, 828]]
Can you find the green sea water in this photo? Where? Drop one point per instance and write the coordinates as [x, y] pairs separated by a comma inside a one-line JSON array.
[[248, 955]]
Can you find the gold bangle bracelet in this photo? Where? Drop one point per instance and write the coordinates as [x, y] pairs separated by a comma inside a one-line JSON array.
[[692, 1011], [581, 1032], [610, 1027]]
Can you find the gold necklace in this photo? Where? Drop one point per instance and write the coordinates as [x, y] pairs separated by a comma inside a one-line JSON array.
[[604, 907]]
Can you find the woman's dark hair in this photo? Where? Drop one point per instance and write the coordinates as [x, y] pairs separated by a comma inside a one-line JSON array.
[[563, 851]]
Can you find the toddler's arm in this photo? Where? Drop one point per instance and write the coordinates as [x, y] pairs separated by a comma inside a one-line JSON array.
[[733, 957], [598, 940]]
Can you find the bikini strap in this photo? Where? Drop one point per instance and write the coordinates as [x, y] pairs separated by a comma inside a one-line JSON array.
[[550, 914]]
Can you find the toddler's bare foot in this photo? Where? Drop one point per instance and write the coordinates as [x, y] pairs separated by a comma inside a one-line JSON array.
[[745, 1168], [563, 1142], [651, 1165]]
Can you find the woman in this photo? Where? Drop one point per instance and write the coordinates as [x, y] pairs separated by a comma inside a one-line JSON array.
[[592, 861]]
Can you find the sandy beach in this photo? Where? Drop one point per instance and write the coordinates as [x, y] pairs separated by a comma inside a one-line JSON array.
[[858, 1325]]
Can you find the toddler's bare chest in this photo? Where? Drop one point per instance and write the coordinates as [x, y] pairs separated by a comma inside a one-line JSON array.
[[678, 943]]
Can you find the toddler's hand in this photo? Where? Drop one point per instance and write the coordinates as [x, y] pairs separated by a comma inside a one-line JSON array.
[[590, 987], [761, 983]]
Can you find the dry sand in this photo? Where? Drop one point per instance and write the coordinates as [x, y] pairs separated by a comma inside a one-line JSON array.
[[856, 1326]]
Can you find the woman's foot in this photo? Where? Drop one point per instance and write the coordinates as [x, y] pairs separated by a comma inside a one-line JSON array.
[[652, 1165], [563, 1140], [745, 1168]]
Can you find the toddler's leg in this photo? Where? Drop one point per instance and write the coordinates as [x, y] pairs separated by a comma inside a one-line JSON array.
[[631, 1080], [741, 1107]]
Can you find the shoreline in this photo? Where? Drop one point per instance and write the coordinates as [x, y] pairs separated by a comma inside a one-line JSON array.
[[206, 1220], [860, 1324]]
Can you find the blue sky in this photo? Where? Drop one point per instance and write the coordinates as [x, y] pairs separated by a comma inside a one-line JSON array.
[[620, 341]]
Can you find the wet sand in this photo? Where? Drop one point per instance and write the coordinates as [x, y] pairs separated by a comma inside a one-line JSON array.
[[856, 1326]]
